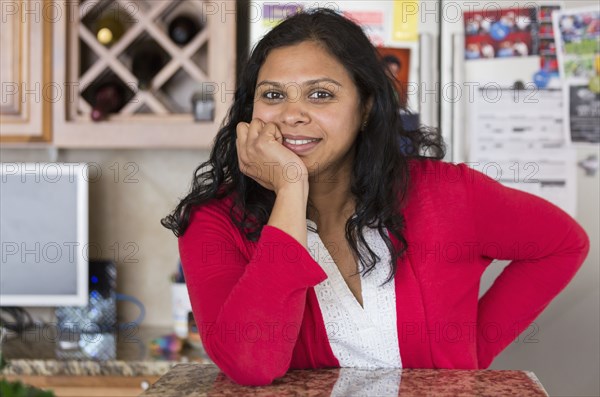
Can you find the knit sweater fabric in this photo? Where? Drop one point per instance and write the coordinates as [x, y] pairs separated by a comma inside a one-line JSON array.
[[258, 314]]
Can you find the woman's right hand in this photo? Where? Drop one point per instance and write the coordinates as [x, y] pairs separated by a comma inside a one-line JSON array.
[[262, 156]]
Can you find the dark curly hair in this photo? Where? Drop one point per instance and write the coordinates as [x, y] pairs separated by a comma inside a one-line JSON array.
[[380, 174]]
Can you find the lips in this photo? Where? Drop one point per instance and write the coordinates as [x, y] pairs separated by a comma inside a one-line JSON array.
[[302, 146], [299, 137], [300, 141]]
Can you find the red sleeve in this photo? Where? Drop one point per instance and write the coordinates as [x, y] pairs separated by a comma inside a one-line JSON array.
[[546, 246], [248, 309]]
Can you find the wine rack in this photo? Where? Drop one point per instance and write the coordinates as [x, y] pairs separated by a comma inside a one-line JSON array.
[[161, 114]]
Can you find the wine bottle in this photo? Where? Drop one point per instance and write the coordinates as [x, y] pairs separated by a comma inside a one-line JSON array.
[[147, 62], [182, 29], [109, 28], [108, 98]]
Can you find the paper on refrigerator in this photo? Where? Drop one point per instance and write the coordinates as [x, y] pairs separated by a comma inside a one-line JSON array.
[[577, 40], [518, 138]]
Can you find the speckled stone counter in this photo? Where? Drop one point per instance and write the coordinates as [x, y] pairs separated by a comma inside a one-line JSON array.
[[34, 354], [196, 380], [88, 367]]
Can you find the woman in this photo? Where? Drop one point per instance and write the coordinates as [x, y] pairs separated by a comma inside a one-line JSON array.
[[308, 240]]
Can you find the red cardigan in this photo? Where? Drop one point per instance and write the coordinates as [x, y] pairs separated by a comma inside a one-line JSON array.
[[258, 314]]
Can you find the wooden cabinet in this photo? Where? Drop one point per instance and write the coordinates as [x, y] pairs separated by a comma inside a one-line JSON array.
[[25, 42], [53, 43], [89, 386]]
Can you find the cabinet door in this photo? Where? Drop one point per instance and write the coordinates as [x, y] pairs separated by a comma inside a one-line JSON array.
[[25, 71], [160, 115]]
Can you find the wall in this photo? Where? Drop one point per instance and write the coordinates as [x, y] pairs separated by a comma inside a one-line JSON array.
[[125, 213]]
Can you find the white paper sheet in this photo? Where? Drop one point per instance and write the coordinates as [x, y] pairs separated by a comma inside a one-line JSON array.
[[519, 138]]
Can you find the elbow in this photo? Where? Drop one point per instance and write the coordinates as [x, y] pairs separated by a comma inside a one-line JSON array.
[[585, 249], [250, 376], [574, 250], [258, 373], [580, 245], [245, 369]]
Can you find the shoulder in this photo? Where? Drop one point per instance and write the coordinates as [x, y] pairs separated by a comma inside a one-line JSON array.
[[212, 210], [210, 217], [210, 230], [432, 174], [448, 184], [440, 187]]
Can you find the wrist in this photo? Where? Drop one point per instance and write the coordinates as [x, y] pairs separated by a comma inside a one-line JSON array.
[[294, 188]]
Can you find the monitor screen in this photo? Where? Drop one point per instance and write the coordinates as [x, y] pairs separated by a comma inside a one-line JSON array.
[[44, 234]]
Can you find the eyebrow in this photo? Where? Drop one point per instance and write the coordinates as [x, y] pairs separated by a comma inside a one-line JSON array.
[[306, 83]]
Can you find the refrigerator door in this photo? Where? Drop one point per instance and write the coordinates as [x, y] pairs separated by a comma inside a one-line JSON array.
[[563, 345], [423, 77]]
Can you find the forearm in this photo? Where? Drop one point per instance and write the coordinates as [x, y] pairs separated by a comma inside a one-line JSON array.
[[253, 336], [546, 247], [517, 297], [289, 211], [248, 308], [253, 342]]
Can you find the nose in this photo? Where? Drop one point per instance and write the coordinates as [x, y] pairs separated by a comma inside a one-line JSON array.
[[294, 112]]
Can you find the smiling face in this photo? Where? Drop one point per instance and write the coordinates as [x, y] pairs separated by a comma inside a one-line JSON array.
[[309, 94]]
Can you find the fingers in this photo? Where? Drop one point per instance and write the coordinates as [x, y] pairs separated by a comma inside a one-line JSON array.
[[254, 143], [241, 143], [247, 141], [272, 130], [259, 127], [255, 128]]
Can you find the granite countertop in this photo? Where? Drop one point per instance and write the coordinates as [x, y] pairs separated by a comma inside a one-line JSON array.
[[196, 380], [36, 353]]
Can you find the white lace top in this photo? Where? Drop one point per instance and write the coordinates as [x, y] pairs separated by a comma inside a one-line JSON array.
[[359, 337], [365, 382]]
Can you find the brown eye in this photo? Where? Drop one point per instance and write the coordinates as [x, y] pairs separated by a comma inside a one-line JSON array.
[[320, 95], [272, 95]]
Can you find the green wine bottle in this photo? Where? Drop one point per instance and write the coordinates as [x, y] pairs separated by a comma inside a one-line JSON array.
[[109, 28]]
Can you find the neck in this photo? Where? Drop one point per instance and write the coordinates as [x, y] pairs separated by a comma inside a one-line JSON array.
[[330, 200]]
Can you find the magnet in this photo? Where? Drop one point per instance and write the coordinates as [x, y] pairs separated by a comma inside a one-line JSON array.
[[541, 79], [499, 31]]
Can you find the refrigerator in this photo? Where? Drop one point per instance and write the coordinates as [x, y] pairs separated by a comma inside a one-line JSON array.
[[562, 347]]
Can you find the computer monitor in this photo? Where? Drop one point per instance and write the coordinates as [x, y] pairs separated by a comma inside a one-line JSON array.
[[44, 234]]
